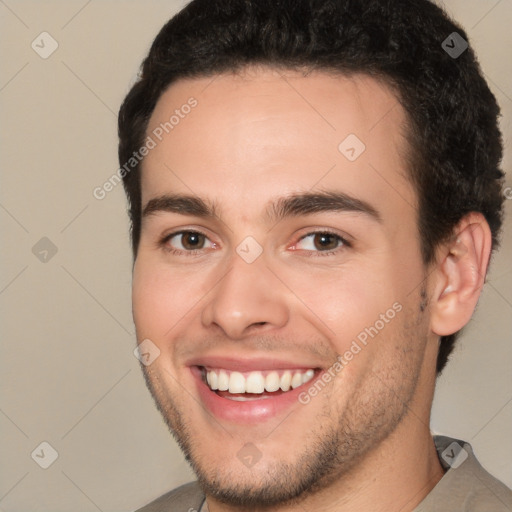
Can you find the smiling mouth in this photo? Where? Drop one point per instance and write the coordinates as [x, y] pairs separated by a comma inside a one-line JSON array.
[[254, 385]]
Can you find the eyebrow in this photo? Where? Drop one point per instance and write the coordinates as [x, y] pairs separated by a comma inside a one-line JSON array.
[[294, 205]]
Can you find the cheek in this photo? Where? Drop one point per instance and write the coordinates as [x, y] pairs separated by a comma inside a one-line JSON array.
[[160, 299], [360, 308], [342, 301]]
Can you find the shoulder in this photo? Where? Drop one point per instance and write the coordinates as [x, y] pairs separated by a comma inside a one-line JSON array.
[[187, 498], [466, 485]]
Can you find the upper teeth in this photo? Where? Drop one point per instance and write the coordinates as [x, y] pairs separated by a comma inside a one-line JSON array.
[[257, 382]]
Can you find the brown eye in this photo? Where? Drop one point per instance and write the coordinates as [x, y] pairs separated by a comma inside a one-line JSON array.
[[192, 240], [188, 241], [325, 241], [321, 242]]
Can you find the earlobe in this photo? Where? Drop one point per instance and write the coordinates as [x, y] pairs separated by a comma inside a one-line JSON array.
[[462, 266]]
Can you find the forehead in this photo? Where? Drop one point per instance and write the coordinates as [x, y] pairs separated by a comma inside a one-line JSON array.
[[265, 132]]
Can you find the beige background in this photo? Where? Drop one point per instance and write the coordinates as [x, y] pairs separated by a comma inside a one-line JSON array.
[[68, 373]]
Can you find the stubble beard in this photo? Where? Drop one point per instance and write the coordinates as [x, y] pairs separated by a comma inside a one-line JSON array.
[[321, 456]]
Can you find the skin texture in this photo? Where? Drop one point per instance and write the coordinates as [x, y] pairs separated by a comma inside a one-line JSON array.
[[363, 442]]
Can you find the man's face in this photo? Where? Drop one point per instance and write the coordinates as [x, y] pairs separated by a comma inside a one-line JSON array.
[[252, 300]]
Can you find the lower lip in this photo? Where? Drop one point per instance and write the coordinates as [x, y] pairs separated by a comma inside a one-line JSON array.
[[246, 412]]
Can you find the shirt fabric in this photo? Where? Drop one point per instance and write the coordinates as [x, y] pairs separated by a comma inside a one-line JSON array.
[[465, 487]]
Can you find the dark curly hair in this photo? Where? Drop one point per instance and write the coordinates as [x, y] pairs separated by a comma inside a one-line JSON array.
[[454, 140]]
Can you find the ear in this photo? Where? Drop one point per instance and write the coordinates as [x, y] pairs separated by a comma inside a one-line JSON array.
[[461, 268]]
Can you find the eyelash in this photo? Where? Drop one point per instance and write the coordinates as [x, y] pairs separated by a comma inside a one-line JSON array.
[[196, 252], [313, 254]]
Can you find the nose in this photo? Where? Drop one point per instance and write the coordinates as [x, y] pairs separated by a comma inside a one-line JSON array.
[[247, 300]]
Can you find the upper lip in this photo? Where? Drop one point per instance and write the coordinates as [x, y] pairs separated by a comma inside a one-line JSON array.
[[248, 364]]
